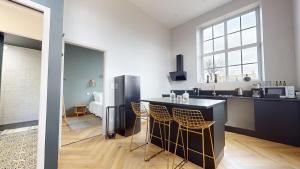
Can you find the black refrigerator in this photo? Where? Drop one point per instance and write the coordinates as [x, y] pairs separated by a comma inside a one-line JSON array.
[[127, 90]]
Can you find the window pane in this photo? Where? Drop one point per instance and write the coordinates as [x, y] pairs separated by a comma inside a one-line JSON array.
[[221, 74], [249, 20], [218, 30], [249, 36], [207, 33], [208, 47], [220, 60], [234, 73], [234, 40], [219, 44], [234, 58], [208, 62], [210, 73], [250, 55], [251, 70], [233, 25]]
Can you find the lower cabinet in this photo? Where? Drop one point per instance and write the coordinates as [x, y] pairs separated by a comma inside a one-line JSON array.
[[278, 120]]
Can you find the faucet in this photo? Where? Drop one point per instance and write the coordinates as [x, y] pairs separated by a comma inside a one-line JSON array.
[[214, 92]]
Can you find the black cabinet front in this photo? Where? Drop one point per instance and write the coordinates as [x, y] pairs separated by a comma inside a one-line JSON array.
[[278, 121]]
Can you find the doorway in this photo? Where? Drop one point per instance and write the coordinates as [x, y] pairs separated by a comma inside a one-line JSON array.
[[24, 49], [83, 88]]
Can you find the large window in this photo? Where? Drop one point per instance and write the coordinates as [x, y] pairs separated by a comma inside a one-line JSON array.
[[232, 49]]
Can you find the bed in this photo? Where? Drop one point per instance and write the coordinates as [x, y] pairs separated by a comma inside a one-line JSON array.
[[96, 107]]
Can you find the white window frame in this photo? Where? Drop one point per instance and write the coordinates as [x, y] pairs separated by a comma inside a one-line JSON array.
[[258, 44]]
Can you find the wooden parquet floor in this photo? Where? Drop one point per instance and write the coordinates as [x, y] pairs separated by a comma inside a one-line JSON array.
[[80, 128], [241, 152]]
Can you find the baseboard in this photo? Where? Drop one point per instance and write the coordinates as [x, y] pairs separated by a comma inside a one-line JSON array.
[[241, 131], [19, 125]]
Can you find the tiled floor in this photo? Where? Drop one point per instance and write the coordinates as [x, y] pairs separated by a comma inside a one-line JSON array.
[[18, 148]]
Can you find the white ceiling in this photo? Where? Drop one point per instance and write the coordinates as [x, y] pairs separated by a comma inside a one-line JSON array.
[[175, 12]]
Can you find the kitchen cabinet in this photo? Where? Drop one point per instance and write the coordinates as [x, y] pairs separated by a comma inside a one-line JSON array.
[[278, 120]]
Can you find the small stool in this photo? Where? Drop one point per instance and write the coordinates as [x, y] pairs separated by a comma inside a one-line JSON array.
[[189, 121], [80, 110], [141, 113], [160, 116]]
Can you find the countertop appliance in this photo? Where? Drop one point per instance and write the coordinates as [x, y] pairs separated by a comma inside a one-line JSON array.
[[257, 92], [127, 90], [279, 91], [239, 91]]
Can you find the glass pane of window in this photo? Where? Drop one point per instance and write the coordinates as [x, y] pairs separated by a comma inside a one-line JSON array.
[[249, 20], [221, 74], [219, 44], [251, 70], [210, 73], [234, 73], [207, 33], [208, 62], [249, 36], [218, 30], [208, 47], [233, 25], [234, 58], [220, 60], [250, 55], [234, 40]]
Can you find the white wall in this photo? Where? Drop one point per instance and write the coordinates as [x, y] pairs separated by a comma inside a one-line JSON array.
[[277, 36], [20, 85], [297, 37], [278, 30], [134, 43]]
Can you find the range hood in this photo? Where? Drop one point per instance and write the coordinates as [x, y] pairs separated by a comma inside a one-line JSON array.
[[179, 75]]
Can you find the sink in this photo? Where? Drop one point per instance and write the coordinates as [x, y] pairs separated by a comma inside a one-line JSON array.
[[225, 95]]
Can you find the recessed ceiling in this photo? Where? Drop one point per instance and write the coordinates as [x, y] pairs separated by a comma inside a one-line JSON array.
[[20, 41], [175, 12]]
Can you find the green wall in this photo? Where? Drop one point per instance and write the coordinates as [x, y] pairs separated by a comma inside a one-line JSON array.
[[80, 66]]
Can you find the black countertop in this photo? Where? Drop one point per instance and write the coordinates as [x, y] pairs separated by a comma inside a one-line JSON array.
[[203, 103], [244, 97], [227, 94]]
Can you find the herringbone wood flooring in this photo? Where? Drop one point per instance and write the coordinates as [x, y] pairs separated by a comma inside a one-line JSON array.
[[76, 132], [241, 152]]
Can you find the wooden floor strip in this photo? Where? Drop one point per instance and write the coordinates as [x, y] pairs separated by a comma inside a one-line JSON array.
[[241, 152]]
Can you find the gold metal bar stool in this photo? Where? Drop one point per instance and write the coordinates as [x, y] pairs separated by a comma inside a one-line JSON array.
[[141, 113], [192, 121], [160, 116]]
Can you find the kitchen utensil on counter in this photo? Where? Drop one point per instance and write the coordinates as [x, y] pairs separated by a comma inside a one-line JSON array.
[[239, 91]]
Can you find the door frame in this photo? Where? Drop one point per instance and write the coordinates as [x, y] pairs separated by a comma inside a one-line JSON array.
[[88, 46], [44, 77]]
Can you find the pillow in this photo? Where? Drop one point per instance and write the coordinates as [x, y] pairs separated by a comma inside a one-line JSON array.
[[97, 97]]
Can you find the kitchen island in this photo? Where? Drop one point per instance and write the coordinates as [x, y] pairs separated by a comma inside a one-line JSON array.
[[212, 110]]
